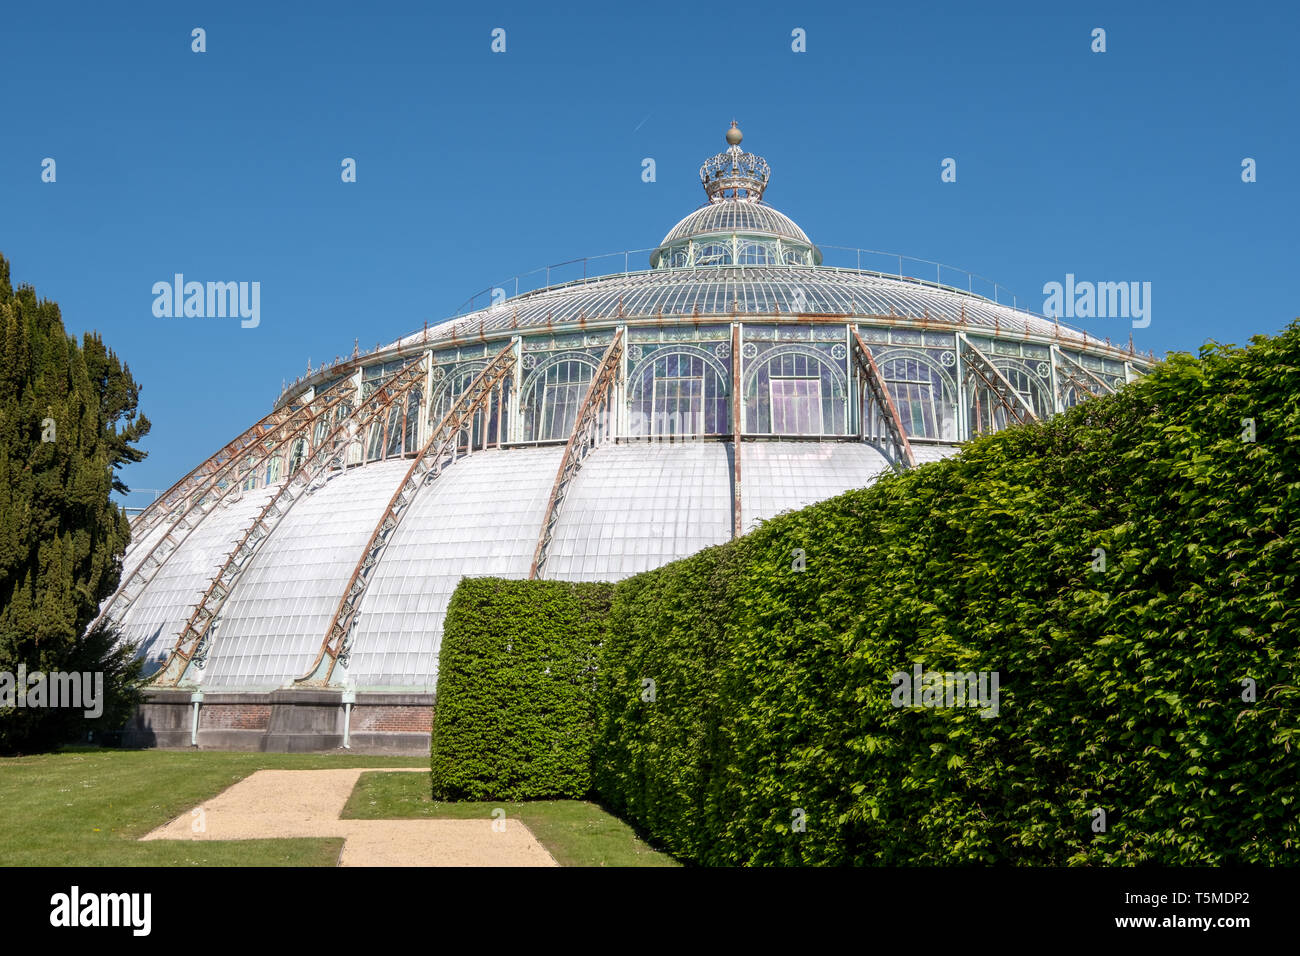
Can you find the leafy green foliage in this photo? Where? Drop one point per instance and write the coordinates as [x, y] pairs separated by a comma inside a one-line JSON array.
[[772, 738], [516, 690], [68, 421]]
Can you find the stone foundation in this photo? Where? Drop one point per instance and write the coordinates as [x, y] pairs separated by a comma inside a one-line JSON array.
[[282, 721]]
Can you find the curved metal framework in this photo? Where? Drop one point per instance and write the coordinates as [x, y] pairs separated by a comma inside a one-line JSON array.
[[194, 640], [299, 423], [1083, 380], [164, 504], [766, 324], [587, 433], [979, 367], [878, 393], [438, 452]]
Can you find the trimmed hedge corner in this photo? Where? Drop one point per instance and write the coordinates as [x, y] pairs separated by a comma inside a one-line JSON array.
[[515, 713]]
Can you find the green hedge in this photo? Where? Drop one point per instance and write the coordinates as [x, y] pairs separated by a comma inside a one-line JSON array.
[[514, 713], [772, 739]]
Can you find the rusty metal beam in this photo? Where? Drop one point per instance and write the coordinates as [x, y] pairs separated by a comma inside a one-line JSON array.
[[737, 419], [582, 440], [166, 503], [879, 393], [980, 367], [1082, 378], [194, 640], [440, 450], [300, 424]]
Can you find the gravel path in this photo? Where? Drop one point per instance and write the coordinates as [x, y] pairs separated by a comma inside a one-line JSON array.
[[307, 803]]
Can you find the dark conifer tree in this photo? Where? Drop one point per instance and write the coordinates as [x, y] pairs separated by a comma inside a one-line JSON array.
[[68, 421]]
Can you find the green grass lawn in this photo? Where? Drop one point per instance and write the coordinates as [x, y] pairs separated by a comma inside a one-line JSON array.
[[575, 832], [89, 807]]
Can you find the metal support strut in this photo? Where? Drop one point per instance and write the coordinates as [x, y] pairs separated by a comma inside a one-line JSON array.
[[584, 437], [195, 638], [1083, 379], [165, 503], [879, 393], [300, 423], [440, 450], [979, 366]]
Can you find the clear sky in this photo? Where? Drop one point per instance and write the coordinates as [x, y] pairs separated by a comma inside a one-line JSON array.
[[473, 166]]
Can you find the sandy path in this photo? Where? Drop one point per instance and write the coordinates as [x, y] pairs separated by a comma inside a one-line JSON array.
[[307, 803]]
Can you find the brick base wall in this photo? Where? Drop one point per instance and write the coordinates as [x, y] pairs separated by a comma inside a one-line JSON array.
[[234, 717], [283, 721], [396, 719]]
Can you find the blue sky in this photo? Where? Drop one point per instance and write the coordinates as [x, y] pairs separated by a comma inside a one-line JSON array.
[[473, 166]]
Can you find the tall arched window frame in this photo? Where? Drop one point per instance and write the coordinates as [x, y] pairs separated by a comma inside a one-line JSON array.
[[553, 393], [795, 390], [986, 412], [678, 390], [923, 392], [455, 383], [395, 432], [756, 252], [297, 455]]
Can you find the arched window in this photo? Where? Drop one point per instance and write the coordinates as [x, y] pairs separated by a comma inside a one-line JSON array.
[[395, 431], [922, 395], [273, 469], [713, 254], [756, 253], [987, 413], [679, 391], [553, 394], [795, 390], [411, 427], [453, 386]]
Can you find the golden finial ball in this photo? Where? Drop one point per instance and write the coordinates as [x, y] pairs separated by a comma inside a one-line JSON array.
[[733, 135]]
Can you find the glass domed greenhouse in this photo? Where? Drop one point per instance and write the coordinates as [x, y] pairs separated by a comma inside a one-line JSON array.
[[587, 429]]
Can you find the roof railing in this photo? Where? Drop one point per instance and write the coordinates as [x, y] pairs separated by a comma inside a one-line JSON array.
[[893, 264], [592, 268]]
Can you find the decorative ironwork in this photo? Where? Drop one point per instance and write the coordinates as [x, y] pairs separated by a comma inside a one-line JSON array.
[[195, 638], [979, 366], [735, 174], [586, 434], [166, 503], [884, 402], [1084, 380], [299, 423], [438, 452]]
